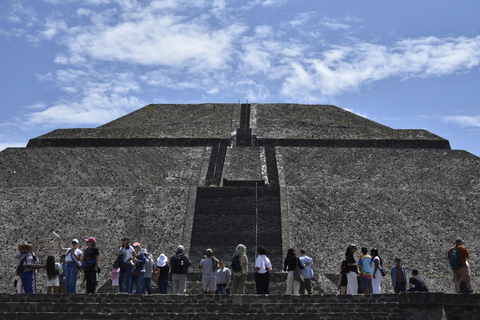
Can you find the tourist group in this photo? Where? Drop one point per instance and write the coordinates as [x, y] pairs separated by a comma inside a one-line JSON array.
[[135, 268]]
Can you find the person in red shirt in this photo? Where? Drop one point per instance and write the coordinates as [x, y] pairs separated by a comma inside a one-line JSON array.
[[462, 273]]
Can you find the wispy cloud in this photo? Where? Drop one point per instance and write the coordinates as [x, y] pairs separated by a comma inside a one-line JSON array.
[[346, 68], [207, 47], [464, 121]]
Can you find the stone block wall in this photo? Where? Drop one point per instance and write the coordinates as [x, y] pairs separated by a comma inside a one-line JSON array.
[[143, 193], [411, 203]]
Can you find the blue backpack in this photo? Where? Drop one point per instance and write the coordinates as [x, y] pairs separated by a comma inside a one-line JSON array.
[[455, 262]]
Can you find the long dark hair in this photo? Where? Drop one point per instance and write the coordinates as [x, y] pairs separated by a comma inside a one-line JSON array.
[[291, 254], [374, 253], [349, 249], [50, 266]]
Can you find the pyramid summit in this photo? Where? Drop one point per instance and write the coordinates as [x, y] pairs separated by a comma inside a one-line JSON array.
[[214, 175]]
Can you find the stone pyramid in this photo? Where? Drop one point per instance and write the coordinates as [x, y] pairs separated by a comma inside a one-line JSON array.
[[214, 175]]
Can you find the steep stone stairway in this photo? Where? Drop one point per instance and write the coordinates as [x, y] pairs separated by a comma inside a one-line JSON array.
[[225, 217], [122, 306]]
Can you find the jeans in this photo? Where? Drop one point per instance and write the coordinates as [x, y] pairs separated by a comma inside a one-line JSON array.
[[27, 281], [71, 272], [127, 271], [221, 288], [139, 283], [163, 286], [147, 285]]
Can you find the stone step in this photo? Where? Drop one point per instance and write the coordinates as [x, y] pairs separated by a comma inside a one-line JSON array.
[[178, 299], [202, 308], [196, 316]]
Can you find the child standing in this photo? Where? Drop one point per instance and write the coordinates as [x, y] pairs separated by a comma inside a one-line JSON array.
[[114, 277], [53, 269]]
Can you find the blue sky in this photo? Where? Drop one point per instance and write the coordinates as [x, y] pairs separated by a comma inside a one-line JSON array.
[[82, 63]]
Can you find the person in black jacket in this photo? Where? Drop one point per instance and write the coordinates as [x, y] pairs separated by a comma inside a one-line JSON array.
[[291, 263], [179, 264]]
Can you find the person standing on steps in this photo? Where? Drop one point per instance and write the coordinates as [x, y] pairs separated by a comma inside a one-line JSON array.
[[209, 266], [147, 279], [90, 265], [73, 258], [161, 274], [307, 272], [263, 266], [377, 271], [139, 268], [128, 254], [352, 274], [240, 269], [399, 276], [457, 256], [24, 270], [223, 278], [291, 263], [179, 264], [364, 263]]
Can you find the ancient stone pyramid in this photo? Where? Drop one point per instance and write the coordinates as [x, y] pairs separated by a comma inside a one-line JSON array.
[[215, 175]]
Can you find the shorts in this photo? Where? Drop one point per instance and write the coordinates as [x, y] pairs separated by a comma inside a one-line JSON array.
[[366, 283], [461, 274], [53, 283], [209, 285], [343, 282]]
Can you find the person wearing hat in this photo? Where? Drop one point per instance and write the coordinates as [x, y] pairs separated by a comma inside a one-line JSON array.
[[399, 276], [27, 258], [179, 264], [139, 261], [147, 278], [73, 258], [90, 265], [457, 256], [128, 254], [209, 266], [161, 274]]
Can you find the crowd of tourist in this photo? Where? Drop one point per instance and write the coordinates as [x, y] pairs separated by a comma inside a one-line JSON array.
[[135, 267]]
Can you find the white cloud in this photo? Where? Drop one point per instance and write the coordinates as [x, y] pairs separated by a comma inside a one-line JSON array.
[[335, 25], [464, 121], [346, 68], [163, 41], [302, 18]]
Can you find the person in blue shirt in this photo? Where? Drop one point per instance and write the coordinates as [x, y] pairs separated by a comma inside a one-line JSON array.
[[307, 272]]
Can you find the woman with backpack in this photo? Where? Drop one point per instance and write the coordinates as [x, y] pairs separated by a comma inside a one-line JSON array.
[[377, 273], [240, 269], [53, 269]]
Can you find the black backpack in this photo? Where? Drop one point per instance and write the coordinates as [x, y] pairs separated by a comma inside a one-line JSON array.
[[236, 267], [119, 263], [177, 264]]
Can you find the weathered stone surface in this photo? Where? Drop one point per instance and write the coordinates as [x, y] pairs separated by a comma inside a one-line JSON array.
[[408, 203], [374, 186]]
